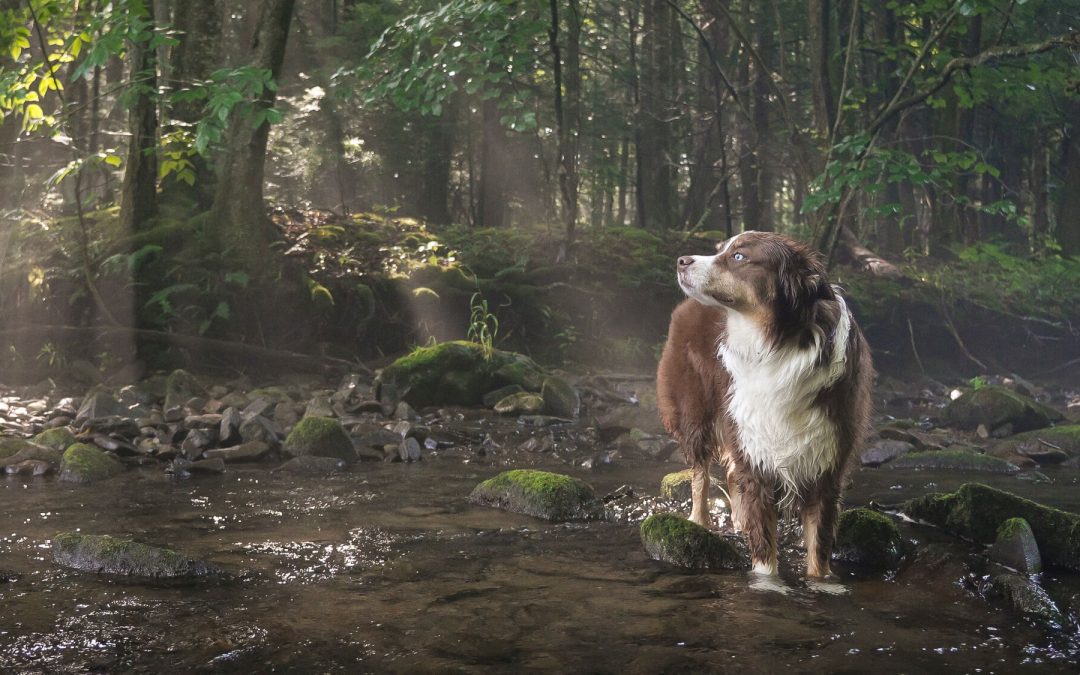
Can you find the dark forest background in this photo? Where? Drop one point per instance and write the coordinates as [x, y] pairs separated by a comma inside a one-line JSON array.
[[335, 179]]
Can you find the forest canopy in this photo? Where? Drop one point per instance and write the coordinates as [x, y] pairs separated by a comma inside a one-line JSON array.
[[162, 161]]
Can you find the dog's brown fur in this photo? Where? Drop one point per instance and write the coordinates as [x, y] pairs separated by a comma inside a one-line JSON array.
[[778, 286]]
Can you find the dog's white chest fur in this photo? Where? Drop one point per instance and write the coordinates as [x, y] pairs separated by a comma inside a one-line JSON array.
[[781, 431]]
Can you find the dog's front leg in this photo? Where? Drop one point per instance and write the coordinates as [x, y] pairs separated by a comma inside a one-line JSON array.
[[819, 532], [758, 512], [699, 484]]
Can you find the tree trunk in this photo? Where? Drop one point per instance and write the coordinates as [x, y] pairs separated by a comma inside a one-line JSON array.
[[1068, 216], [819, 24], [138, 196], [492, 166], [1040, 217], [656, 187], [239, 209], [567, 116]]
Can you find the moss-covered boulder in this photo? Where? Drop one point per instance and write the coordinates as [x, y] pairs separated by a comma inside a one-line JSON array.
[[319, 437], [521, 403], [977, 511], [1016, 547], [84, 463], [15, 450], [10, 445], [953, 460], [456, 373], [1024, 596], [103, 554], [551, 496], [998, 407], [180, 388], [869, 539], [678, 486], [59, 438], [677, 541], [1046, 446], [561, 399]]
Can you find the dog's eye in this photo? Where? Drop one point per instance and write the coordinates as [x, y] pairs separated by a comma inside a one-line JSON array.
[[739, 256]]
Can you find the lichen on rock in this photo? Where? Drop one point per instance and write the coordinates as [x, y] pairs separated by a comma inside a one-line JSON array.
[[319, 437], [104, 554], [868, 538], [977, 511], [541, 494], [82, 463], [672, 539]]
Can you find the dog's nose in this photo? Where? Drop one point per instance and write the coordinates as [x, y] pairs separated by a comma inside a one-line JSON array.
[[686, 261]]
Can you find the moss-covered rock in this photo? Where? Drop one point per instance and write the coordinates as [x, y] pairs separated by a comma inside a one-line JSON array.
[[15, 450], [319, 437], [1024, 596], [679, 485], [996, 407], [868, 538], [84, 463], [10, 445], [59, 438], [103, 554], [677, 541], [180, 388], [953, 460], [977, 511], [456, 373], [1042, 444], [560, 398], [542, 494], [521, 403], [1016, 547]]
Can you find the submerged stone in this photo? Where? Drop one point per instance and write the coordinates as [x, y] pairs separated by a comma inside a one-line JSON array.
[[675, 540], [83, 464], [59, 438], [868, 538], [309, 465], [996, 407], [319, 437], [977, 511], [953, 460], [1024, 596], [456, 373], [1015, 547], [103, 554], [541, 494]]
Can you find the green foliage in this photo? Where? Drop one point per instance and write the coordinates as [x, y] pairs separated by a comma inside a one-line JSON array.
[[229, 93], [483, 325]]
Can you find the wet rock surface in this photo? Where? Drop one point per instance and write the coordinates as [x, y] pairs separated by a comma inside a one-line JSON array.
[[997, 407], [319, 437], [953, 460], [541, 494], [1015, 547], [83, 464], [677, 541], [103, 554], [869, 539]]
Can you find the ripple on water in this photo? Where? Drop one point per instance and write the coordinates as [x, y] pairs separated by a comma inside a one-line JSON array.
[[311, 561]]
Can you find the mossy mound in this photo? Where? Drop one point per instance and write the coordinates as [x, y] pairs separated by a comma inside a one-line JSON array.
[[180, 388], [977, 511], [677, 541], [953, 460], [996, 407], [319, 437], [456, 373], [84, 463], [103, 554], [868, 538], [59, 438], [542, 494], [679, 485]]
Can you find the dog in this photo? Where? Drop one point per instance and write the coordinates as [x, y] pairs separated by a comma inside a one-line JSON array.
[[765, 371]]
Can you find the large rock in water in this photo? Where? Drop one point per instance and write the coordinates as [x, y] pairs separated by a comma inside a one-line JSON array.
[[83, 463], [455, 373], [677, 541], [1045, 446], [977, 511], [551, 496], [319, 437], [953, 460], [868, 538], [109, 555], [997, 407]]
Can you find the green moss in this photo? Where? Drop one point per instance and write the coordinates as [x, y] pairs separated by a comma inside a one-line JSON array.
[[319, 437], [58, 439], [673, 539], [996, 406], [866, 537], [1013, 527], [953, 460], [83, 463], [111, 555], [1065, 437], [10, 445], [977, 511], [542, 494]]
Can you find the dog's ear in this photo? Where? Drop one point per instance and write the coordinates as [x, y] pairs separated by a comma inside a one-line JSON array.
[[802, 278]]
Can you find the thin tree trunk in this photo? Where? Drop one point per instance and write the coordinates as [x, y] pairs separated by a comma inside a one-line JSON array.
[[138, 196], [492, 187], [1068, 215]]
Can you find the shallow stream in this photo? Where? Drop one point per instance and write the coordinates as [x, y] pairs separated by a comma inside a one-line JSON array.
[[387, 568]]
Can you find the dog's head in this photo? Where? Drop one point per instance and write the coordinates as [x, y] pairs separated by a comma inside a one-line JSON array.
[[763, 274]]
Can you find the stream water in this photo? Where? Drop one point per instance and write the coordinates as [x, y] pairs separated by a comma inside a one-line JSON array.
[[387, 568]]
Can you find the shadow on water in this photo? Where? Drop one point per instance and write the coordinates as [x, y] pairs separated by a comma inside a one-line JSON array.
[[387, 568]]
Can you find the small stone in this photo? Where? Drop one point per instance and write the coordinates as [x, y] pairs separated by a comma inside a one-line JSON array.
[[319, 406], [180, 388], [560, 398], [28, 467], [174, 414], [522, 403], [83, 463], [493, 397], [541, 494], [208, 466], [247, 452], [308, 465], [378, 438], [403, 429], [404, 411], [409, 450], [321, 437], [540, 443], [885, 450], [195, 443], [205, 421], [257, 406], [868, 538], [285, 414], [677, 541], [542, 421], [258, 428], [98, 403], [678, 486], [229, 428], [1015, 547]]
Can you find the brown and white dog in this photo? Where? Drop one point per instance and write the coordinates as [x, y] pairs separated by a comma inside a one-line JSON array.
[[765, 371]]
